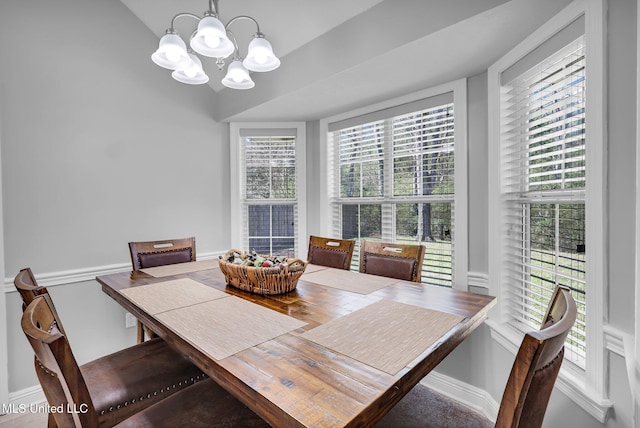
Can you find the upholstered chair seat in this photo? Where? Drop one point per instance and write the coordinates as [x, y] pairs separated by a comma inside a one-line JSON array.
[[203, 405], [127, 381]]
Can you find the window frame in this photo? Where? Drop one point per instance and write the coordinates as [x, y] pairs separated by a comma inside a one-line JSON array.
[[543, 178], [237, 170], [460, 237], [587, 388]]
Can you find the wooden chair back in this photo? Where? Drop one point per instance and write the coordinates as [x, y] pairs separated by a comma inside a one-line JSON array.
[[536, 366], [56, 367], [159, 253], [335, 253], [392, 260], [26, 284]]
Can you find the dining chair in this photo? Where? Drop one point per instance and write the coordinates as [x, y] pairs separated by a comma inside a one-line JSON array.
[[148, 254], [120, 383], [130, 386], [526, 395], [392, 260], [159, 253], [335, 253]]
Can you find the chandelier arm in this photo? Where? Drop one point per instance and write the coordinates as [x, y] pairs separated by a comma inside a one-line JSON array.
[[243, 17], [180, 15], [236, 50]]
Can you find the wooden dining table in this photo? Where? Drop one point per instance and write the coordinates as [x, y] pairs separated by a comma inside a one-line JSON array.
[[340, 350]]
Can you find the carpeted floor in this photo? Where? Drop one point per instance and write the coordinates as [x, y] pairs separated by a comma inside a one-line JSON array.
[[425, 408], [24, 420]]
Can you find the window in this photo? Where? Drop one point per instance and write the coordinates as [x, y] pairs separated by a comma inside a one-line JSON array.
[[543, 178], [269, 195], [547, 191], [394, 180]]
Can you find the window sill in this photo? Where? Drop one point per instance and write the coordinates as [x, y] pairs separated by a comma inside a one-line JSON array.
[[571, 382]]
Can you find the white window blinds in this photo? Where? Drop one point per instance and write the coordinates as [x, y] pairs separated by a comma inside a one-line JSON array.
[[543, 188], [361, 155], [270, 207], [423, 152], [270, 171], [394, 182]]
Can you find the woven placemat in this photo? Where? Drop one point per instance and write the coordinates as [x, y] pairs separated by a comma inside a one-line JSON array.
[[167, 295], [178, 268], [223, 327], [386, 335], [341, 279]]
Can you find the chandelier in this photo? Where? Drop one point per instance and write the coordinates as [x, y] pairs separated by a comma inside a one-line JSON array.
[[214, 39]]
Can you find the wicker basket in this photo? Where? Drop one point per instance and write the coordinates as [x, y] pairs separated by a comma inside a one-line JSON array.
[[262, 280]]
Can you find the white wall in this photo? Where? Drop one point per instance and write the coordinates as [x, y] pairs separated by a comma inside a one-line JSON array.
[[314, 184], [622, 72], [478, 173], [99, 147], [4, 370], [622, 133]]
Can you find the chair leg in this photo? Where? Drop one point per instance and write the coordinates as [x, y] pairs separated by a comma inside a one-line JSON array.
[[149, 334], [140, 332], [51, 421], [144, 333]]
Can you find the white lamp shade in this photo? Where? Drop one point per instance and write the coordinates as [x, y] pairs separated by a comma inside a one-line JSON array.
[[237, 76], [211, 39], [193, 74], [260, 56], [171, 53]]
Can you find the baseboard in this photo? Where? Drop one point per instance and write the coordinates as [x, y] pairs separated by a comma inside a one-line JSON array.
[[27, 396], [468, 395]]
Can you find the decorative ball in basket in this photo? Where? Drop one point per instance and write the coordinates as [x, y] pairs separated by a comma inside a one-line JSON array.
[[261, 274]]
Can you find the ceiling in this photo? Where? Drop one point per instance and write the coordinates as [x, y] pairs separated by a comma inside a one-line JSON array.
[[339, 55]]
